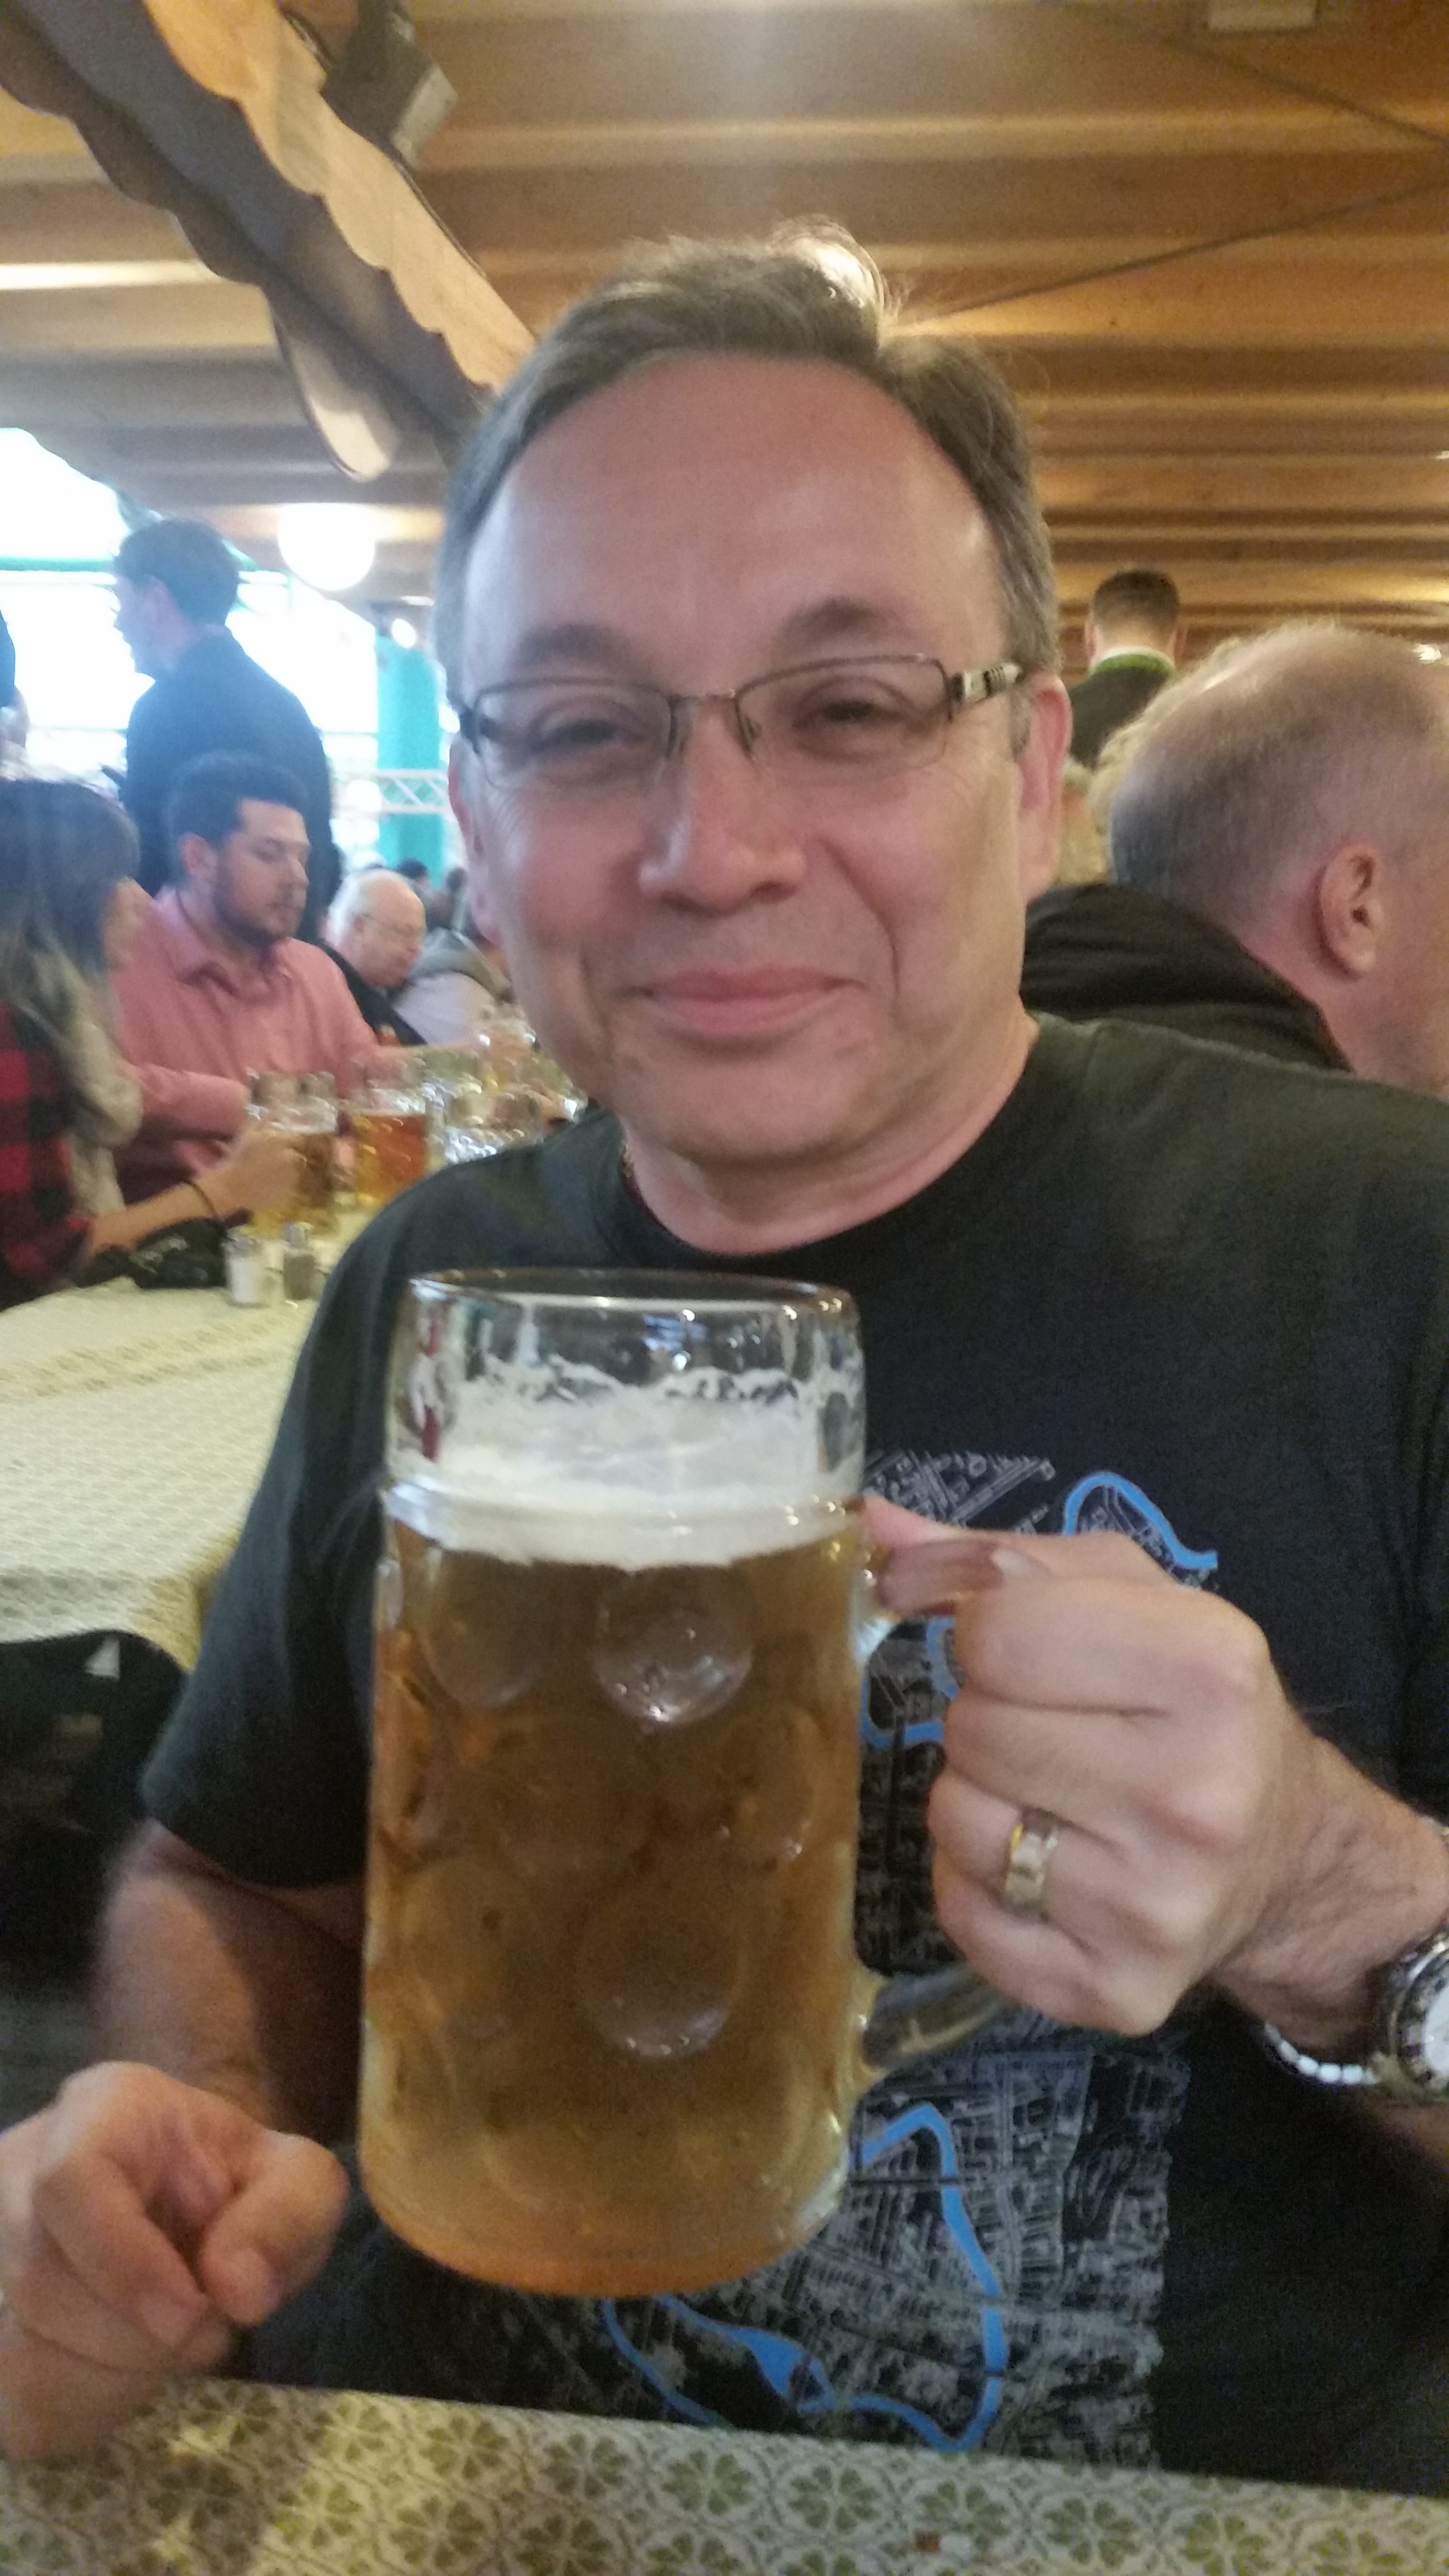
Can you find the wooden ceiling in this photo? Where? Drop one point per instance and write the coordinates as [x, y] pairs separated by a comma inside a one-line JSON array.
[[1214, 264]]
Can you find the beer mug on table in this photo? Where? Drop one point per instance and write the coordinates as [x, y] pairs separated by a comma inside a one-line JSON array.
[[303, 1107], [391, 1128], [614, 2023]]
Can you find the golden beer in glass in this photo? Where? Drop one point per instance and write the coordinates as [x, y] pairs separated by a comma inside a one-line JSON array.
[[302, 1107], [614, 2022]]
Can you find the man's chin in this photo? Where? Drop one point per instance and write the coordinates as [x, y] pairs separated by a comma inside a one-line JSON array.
[[756, 1125]]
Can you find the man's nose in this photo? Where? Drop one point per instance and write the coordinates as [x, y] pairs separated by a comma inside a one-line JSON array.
[[724, 834]]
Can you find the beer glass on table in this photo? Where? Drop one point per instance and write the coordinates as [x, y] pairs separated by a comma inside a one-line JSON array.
[[303, 1107], [614, 2022], [390, 1115]]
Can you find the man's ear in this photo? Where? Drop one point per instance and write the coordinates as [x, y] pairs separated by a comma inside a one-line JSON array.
[[196, 858], [462, 772], [1348, 899], [1089, 639], [1040, 762]]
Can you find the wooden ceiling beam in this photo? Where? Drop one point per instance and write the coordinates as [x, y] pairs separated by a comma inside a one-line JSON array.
[[210, 315], [1097, 207], [1275, 490], [83, 219], [1009, 72]]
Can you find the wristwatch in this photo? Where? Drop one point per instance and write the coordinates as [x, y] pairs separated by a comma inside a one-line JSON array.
[[1408, 2060]]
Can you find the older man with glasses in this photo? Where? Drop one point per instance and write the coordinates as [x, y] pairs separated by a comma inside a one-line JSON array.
[[375, 933], [747, 612]]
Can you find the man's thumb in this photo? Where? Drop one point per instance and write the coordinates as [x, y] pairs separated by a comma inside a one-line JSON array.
[[277, 2231]]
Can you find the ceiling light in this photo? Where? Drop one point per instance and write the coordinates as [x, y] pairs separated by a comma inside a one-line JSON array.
[[330, 544], [59, 276]]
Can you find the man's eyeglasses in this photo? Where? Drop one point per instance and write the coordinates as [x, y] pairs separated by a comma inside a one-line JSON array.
[[869, 716]]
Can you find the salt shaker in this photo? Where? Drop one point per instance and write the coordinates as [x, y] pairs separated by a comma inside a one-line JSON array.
[[246, 1267]]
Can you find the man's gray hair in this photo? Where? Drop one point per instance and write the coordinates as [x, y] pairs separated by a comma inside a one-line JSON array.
[[351, 895], [774, 299], [1270, 754]]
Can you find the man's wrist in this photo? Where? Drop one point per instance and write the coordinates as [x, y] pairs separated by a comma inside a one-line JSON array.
[[1370, 1882]]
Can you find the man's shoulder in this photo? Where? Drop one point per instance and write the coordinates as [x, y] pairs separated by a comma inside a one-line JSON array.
[[1303, 1127], [242, 676], [161, 946]]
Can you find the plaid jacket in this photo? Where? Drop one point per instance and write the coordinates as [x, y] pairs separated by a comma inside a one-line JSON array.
[[42, 1231]]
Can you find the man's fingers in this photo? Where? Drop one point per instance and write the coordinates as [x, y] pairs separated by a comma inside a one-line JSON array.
[[1103, 1644], [928, 1566], [130, 2170], [278, 2230], [46, 2298]]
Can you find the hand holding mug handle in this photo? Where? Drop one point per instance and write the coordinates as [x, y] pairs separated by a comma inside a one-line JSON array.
[[919, 1570]]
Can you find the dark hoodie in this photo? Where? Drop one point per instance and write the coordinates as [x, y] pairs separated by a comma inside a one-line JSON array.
[[1103, 952]]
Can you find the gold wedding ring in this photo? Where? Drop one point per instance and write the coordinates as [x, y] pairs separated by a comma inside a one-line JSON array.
[[1033, 1840]]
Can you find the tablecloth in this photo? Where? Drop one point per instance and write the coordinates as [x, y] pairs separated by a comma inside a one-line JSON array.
[[134, 1424], [228, 2481]]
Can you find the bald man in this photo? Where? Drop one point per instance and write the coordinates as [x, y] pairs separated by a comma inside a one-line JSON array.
[[1279, 843], [375, 932]]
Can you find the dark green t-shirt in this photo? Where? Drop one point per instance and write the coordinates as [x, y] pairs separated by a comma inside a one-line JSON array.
[[1170, 1291]]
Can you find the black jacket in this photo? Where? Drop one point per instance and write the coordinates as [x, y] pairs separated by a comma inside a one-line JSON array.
[[1103, 952], [216, 698], [375, 1005], [1110, 696]]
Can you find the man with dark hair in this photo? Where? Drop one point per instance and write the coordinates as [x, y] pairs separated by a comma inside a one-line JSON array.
[[1133, 635], [748, 618], [176, 585], [217, 985], [1278, 824]]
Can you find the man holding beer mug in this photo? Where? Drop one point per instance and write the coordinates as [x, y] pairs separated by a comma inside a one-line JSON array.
[[748, 615]]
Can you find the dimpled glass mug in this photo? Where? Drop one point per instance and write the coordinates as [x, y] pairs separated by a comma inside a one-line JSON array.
[[614, 2023]]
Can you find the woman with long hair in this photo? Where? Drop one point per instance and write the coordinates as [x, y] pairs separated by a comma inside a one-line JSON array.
[[69, 909]]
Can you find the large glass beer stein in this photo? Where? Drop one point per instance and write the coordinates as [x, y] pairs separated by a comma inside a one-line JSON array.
[[615, 2026]]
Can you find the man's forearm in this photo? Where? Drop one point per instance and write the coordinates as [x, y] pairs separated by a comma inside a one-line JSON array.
[[223, 1986]]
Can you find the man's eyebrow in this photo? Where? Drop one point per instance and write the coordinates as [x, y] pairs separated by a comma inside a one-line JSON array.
[[840, 621], [575, 640]]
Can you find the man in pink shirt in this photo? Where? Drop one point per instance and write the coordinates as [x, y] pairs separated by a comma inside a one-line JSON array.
[[216, 987]]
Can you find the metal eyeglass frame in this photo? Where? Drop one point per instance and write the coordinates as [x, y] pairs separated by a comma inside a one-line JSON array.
[[960, 689]]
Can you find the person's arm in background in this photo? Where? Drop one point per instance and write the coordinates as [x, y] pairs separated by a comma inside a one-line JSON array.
[[150, 765], [175, 1101], [260, 1175], [45, 1238]]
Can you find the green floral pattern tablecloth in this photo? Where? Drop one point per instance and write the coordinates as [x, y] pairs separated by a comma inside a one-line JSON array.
[[134, 1425], [229, 2481]]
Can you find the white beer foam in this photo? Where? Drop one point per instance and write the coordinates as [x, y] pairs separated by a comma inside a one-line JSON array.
[[730, 1484], [698, 1470], [623, 1530]]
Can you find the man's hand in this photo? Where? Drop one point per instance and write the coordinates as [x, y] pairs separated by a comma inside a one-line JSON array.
[[141, 2222], [1204, 1832]]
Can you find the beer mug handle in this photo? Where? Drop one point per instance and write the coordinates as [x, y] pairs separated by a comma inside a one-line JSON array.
[[908, 2017]]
